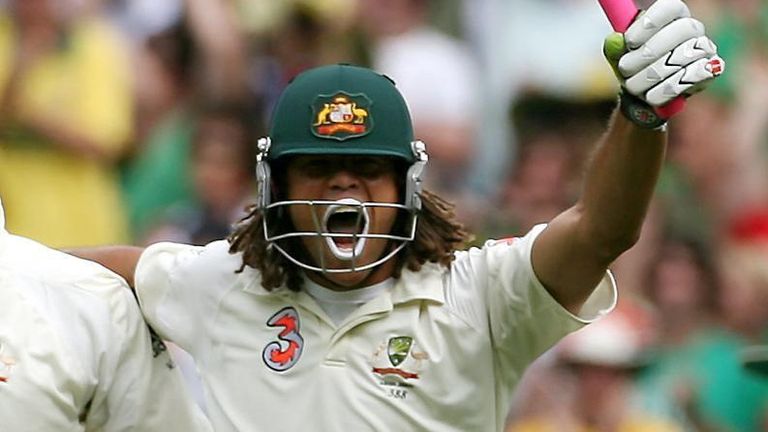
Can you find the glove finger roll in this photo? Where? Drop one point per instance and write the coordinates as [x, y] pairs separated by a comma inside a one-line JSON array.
[[691, 79], [685, 53], [661, 43], [658, 15]]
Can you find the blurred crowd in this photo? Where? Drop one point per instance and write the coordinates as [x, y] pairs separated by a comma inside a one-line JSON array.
[[135, 121]]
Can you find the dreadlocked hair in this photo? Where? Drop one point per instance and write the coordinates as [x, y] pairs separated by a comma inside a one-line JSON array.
[[438, 236], [248, 238]]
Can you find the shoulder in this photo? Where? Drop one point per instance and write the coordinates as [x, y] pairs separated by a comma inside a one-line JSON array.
[[72, 293], [89, 286], [88, 311], [504, 251], [497, 263], [169, 264], [213, 258], [34, 261]]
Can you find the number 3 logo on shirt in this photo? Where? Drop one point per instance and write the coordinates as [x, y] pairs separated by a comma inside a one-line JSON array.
[[280, 355]]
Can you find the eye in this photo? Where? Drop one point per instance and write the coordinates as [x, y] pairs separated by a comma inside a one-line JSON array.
[[316, 166], [370, 167]]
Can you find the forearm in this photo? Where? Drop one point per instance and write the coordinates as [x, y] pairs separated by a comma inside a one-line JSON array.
[[222, 46], [618, 187], [120, 259], [571, 256]]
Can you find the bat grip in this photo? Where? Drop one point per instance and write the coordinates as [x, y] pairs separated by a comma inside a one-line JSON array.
[[620, 14]]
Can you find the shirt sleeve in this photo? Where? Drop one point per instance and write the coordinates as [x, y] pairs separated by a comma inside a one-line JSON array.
[[523, 317], [138, 388], [80, 352], [177, 286]]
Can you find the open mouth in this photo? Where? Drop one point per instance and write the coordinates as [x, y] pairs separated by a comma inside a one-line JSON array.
[[346, 220]]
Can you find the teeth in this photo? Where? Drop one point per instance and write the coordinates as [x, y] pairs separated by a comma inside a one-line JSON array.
[[345, 210]]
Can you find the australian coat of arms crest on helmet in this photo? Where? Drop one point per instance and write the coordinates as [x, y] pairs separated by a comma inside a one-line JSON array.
[[341, 116]]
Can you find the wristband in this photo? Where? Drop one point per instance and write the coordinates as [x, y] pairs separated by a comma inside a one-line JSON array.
[[639, 112]]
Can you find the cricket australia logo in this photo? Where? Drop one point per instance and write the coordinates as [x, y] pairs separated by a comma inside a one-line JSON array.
[[281, 354], [341, 116], [400, 368]]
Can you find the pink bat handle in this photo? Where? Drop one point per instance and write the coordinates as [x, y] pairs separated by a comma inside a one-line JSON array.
[[620, 14]]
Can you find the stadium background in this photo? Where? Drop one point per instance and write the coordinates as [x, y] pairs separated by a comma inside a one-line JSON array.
[[134, 121]]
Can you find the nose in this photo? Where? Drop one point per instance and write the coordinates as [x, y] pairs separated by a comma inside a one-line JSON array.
[[343, 180]]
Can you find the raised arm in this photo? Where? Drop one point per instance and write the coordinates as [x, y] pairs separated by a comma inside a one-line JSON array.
[[223, 52], [663, 54], [120, 259], [572, 254]]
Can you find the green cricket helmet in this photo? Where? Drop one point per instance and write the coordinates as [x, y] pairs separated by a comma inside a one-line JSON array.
[[341, 110]]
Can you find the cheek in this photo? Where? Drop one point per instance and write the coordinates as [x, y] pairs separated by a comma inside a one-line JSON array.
[[301, 217], [384, 190], [384, 220], [306, 189]]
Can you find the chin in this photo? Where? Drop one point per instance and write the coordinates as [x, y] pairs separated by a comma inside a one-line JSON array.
[[372, 250], [353, 279], [347, 280]]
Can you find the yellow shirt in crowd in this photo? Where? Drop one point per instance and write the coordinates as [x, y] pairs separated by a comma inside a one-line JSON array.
[[52, 195]]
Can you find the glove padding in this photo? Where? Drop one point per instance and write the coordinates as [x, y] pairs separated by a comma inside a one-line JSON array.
[[663, 54]]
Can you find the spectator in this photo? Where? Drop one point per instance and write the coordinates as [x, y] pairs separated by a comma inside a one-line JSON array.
[[65, 118], [221, 169], [744, 260], [440, 82], [165, 121], [695, 373], [594, 374], [198, 61]]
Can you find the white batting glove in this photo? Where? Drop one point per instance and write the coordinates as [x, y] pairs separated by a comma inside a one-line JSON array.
[[663, 54]]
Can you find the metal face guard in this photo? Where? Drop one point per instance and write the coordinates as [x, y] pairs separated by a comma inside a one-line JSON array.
[[350, 255]]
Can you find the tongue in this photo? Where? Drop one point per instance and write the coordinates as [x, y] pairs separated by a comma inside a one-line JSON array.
[[344, 242]]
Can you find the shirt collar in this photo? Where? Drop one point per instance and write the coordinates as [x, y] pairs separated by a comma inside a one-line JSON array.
[[425, 284], [360, 296]]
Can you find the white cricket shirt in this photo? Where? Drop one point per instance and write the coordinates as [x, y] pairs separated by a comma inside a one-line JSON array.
[[75, 354], [441, 351]]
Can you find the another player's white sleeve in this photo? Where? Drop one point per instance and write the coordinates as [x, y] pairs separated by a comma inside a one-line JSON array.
[[75, 353], [138, 388]]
